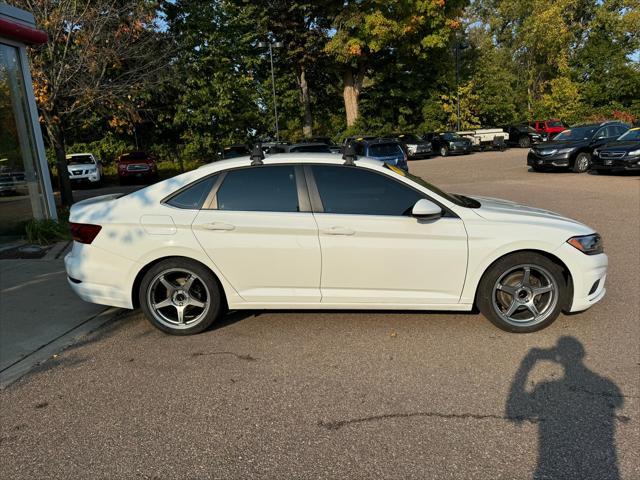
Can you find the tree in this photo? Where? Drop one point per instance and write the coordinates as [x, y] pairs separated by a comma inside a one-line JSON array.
[[100, 53], [369, 31]]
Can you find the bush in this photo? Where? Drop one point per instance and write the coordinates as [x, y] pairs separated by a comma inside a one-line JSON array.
[[45, 232]]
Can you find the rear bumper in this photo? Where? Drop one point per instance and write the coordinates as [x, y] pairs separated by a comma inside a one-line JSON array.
[[98, 276]]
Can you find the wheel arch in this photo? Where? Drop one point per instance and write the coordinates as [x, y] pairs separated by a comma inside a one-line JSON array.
[[566, 273], [140, 275]]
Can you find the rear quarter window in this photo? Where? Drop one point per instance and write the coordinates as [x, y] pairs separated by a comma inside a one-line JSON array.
[[193, 196]]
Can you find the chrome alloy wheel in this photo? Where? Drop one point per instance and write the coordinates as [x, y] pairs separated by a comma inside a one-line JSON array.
[[178, 298], [525, 295]]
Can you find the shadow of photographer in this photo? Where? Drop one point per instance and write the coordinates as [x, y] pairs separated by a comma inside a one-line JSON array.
[[576, 415]]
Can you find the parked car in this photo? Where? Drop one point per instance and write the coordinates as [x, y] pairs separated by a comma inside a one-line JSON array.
[[237, 150], [550, 127], [84, 168], [326, 140], [524, 136], [272, 148], [384, 150], [309, 148], [12, 182], [136, 166], [357, 138], [414, 146], [449, 143], [317, 232], [622, 155], [573, 148]]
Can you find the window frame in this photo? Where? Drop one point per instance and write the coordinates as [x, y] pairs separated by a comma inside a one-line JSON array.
[[318, 207]]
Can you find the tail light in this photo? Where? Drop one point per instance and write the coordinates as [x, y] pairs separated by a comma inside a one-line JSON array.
[[84, 232]]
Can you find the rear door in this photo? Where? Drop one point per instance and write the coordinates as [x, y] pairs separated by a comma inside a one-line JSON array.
[[258, 229], [373, 251]]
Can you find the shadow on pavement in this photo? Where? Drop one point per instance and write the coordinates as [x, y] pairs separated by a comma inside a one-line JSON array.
[[575, 415]]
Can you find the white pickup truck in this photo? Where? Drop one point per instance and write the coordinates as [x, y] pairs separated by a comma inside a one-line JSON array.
[[482, 138]]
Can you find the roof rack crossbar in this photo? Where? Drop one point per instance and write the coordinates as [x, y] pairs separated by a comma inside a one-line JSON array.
[[257, 155]]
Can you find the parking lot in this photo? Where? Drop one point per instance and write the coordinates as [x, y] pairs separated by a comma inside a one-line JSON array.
[[359, 394]]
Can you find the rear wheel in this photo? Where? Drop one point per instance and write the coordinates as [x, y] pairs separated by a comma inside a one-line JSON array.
[[524, 142], [582, 163], [523, 292], [180, 296]]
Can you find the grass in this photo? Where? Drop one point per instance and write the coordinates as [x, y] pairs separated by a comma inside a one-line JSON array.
[[47, 231]]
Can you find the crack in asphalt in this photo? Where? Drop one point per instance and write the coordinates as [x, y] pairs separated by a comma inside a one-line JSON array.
[[337, 424], [247, 357]]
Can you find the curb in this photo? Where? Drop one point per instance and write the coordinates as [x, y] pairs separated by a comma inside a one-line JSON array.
[[23, 366]]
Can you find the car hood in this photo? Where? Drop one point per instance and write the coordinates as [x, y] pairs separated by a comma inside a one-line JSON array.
[[627, 146], [560, 144], [496, 209]]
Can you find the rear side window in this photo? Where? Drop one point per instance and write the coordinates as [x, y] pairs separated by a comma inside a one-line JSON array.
[[361, 192], [260, 189], [385, 150], [193, 196]]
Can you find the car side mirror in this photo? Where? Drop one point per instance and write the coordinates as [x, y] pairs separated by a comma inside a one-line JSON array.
[[426, 210]]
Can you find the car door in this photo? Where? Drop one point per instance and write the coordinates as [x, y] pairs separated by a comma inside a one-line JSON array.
[[259, 231], [603, 135], [373, 251]]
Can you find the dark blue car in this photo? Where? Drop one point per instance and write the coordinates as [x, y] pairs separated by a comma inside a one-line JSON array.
[[385, 150]]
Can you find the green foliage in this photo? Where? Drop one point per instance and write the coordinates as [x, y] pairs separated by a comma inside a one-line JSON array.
[[45, 232]]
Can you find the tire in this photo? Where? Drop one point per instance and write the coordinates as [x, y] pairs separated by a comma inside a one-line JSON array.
[[537, 169], [444, 151], [182, 285], [510, 301], [582, 163], [524, 142]]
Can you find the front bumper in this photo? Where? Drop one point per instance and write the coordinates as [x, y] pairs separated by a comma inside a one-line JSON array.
[[459, 149], [561, 160], [588, 273], [616, 164]]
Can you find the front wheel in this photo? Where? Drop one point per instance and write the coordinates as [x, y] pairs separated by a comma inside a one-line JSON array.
[[524, 142], [582, 163], [522, 293], [444, 151], [180, 296]]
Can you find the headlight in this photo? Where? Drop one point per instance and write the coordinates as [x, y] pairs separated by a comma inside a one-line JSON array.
[[566, 150], [588, 244], [634, 153]]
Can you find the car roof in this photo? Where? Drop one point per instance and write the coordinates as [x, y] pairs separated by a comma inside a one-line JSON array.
[[78, 154]]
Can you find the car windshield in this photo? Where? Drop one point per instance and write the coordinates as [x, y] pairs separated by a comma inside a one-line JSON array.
[[80, 160], [555, 123], [456, 199], [408, 138], [576, 133], [631, 135], [384, 150], [452, 136]]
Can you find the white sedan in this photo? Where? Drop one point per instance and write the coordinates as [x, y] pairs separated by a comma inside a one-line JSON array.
[[311, 231]]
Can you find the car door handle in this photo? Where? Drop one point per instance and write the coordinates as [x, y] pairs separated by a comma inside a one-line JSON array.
[[338, 231], [218, 226]]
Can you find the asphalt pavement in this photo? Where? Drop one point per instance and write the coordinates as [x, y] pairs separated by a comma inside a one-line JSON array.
[[358, 394]]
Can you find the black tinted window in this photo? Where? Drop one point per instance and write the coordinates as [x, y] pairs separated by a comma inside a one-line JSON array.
[[385, 149], [358, 191], [259, 189], [193, 196]]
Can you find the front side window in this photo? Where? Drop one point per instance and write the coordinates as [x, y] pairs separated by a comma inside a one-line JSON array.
[[351, 190], [193, 196], [260, 189]]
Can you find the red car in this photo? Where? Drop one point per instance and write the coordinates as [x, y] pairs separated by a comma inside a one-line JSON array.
[[136, 166], [550, 127]]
